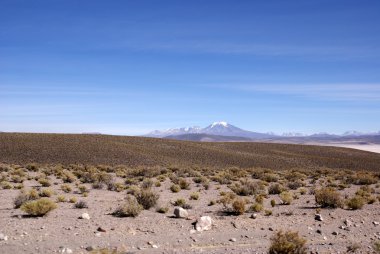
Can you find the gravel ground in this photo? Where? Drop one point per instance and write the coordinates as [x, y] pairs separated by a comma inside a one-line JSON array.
[[62, 228]]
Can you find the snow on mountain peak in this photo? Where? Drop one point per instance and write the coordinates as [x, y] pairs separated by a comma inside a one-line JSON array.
[[225, 124]]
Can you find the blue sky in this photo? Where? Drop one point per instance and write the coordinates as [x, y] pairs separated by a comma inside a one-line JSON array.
[[128, 67]]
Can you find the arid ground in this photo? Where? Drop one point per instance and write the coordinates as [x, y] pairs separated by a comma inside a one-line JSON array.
[[320, 193]]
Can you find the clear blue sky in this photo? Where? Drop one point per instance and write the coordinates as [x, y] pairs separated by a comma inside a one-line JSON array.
[[128, 67]]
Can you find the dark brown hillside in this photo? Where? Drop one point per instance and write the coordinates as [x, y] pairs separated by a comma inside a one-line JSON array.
[[135, 151]]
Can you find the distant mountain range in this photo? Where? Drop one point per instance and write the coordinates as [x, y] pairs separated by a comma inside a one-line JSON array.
[[225, 132]]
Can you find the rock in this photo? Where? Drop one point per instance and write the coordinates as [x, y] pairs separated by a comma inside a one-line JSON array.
[[90, 248], [376, 223], [347, 222], [98, 234], [85, 216], [203, 223], [270, 229], [154, 246], [254, 216], [319, 231], [100, 229], [318, 217], [335, 233], [233, 240], [3, 237], [66, 250], [179, 212]]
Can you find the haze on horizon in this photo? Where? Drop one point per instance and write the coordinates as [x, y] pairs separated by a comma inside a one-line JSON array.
[[130, 67]]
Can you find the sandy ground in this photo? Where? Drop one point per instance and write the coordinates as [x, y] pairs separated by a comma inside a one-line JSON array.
[[375, 148], [62, 228]]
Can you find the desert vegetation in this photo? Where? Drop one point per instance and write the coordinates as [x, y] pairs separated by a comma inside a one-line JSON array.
[[290, 209]]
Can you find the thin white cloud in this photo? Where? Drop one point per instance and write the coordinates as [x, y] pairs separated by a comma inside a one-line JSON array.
[[339, 92]]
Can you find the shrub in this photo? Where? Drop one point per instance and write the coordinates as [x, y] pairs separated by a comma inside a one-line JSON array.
[[180, 202], [81, 204], [256, 207], [275, 189], [6, 185], [238, 206], [98, 185], [33, 194], [39, 207], [194, 196], [328, 197], [21, 199], [268, 212], [356, 202], [61, 198], [376, 247], [147, 198], [273, 203], [82, 189], [175, 188], [183, 184], [44, 182], [247, 188], [211, 203], [286, 198], [73, 200], [66, 188], [287, 243], [46, 193], [303, 191], [162, 209], [131, 208], [147, 183], [295, 185]]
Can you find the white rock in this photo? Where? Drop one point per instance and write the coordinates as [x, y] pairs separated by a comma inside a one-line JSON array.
[[85, 216], [179, 212], [3, 237], [203, 223], [66, 250]]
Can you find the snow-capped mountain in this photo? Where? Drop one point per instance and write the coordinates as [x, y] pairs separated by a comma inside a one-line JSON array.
[[216, 128], [174, 131]]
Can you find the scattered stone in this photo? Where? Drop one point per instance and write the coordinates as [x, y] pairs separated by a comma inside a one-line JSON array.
[[254, 216], [270, 229], [98, 234], [203, 223], [318, 217], [85, 216], [154, 246], [100, 229], [233, 240], [90, 248], [319, 231], [335, 233], [3, 237], [179, 212], [66, 250], [347, 222], [376, 223]]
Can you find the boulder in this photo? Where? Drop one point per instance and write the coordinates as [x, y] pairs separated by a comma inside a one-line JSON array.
[[179, 212], [203, 223], [318, 217], [85, 216]]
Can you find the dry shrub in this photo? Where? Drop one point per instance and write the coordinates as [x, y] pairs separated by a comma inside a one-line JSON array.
[[39, 207], [44, 182], [24, 197], [46, 193], [66, 188], [238, 206], [184, 184], [194, 196], [247, 188], [286, 198], [256, 207], [356, 203], [328, 197], [295, 185], [131, 208], [276, 189], [147, 198], [287, 243], [175, 188], [81, 204]]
